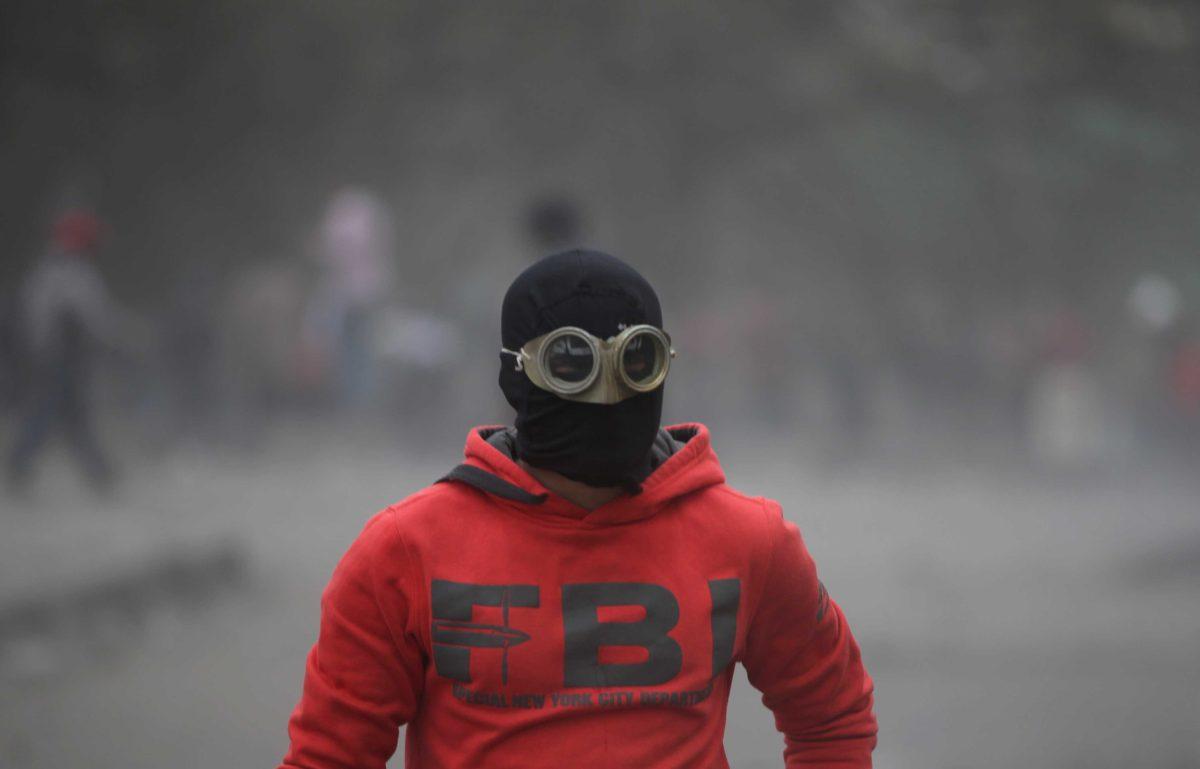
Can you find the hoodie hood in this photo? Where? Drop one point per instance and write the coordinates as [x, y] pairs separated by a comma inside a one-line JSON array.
[[681, 461]]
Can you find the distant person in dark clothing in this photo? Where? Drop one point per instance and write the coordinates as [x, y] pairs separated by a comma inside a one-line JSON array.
[[554, 222], [12, 368], [64, 310]]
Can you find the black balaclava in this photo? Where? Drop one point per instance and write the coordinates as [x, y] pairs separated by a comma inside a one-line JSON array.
[[596, 444]]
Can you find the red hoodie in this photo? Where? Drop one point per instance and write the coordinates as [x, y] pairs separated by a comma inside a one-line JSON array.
[[509, 627]]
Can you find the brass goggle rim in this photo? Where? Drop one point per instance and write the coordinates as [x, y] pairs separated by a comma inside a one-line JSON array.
[[535, 351]]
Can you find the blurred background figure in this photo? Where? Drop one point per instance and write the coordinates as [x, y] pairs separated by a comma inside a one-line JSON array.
[[260, 328], [553, 223], [65, 315], [355, 254], [12, 360], [1185, 387], [1065, 420], [188, 348]]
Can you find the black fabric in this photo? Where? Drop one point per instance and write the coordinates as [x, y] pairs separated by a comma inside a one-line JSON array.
[[595, 444], [504, 439], [666, 444]]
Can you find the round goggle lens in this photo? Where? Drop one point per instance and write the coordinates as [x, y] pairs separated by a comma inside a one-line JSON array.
[[570, 359], [643, 357]]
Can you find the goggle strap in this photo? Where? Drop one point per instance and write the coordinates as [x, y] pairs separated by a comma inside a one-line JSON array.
[[520, 356]]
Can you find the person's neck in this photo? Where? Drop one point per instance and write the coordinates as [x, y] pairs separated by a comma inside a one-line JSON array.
[[587, 497]]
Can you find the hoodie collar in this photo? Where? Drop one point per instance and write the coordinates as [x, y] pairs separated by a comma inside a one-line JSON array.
[[682, 461]]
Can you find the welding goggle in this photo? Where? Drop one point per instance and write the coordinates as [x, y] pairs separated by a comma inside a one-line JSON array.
[[577, 366]]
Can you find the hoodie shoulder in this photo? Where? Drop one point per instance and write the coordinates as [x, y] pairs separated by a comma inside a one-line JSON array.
[[753, 520], [748, 504], [428, 507]]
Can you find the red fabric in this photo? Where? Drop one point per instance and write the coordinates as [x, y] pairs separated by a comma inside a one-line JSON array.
[[77, 231], [1185, 378], [376, 666]]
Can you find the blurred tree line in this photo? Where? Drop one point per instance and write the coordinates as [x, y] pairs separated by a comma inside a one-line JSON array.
[[862, 155]]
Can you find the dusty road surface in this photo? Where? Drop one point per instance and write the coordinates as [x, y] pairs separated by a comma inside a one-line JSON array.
[[1009, 621]]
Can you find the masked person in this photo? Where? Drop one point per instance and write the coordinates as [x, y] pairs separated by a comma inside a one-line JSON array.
[[576, 592]]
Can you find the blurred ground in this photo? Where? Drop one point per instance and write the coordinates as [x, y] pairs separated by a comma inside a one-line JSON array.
[[1009, 620]]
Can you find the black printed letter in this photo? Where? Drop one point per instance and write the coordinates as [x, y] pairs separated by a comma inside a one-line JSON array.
[[585, 634], [454, 634], [725, 594]]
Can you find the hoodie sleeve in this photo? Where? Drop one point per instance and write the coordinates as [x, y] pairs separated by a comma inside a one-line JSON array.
[[800, 654], [365, 673]]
